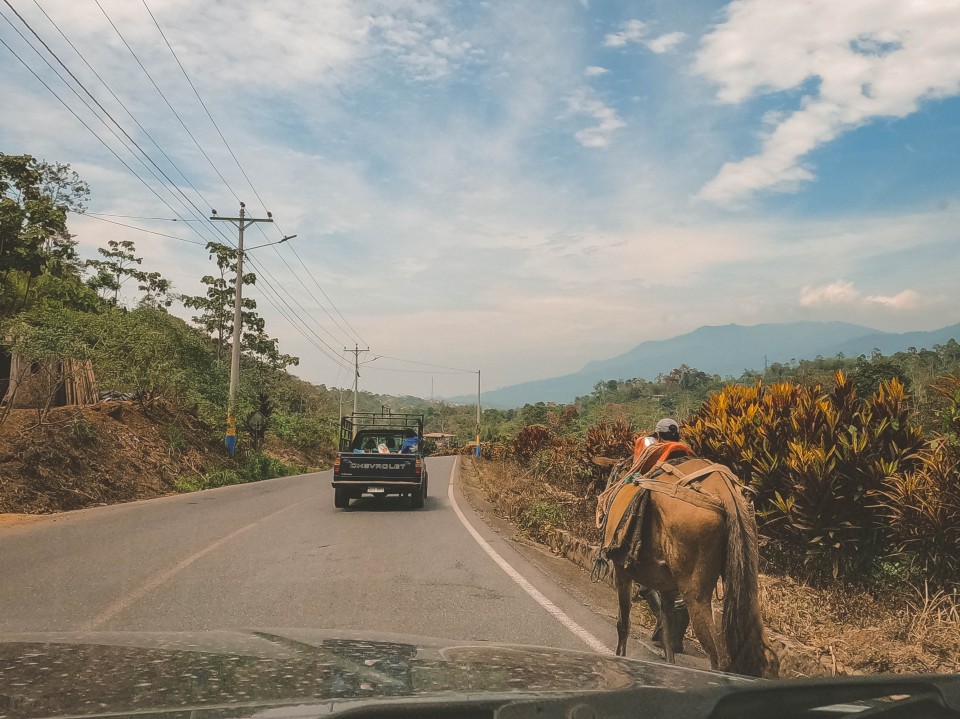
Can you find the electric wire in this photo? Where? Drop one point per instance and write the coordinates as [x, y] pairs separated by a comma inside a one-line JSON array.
[[95, 114], [82, 121], [137, 217], [203, 104], [273, 300], [176, 114], [246, 177], [141, 229], [427, 364], [276, 296], [110, 90]]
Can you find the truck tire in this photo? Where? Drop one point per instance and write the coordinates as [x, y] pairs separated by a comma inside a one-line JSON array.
[[341, 500], [418, 497]]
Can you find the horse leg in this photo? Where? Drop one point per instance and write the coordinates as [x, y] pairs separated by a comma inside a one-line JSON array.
[[624, 592], [667, 619], [701, 616]]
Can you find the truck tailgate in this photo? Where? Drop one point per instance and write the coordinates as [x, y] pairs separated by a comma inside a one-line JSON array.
[[384, 467]]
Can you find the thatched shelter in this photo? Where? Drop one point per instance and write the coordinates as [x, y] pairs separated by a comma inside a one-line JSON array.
[[33, 383]]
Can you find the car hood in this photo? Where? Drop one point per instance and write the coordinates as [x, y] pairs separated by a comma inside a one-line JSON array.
[[286, 672]]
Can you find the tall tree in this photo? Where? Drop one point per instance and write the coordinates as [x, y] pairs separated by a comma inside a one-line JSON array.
[[216, 306], [35, 198], [120, 264]]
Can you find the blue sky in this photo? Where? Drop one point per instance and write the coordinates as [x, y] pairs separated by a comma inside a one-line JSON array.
[[527, 186]]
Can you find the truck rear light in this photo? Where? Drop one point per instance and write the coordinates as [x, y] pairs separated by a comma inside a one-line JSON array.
[[419, 469], [336, 465]]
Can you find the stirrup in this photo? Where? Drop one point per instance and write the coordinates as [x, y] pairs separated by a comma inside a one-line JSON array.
[[601, 568]]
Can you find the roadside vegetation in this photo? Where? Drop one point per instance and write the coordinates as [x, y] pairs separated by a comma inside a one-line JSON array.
[[104, 326], [855, 470]]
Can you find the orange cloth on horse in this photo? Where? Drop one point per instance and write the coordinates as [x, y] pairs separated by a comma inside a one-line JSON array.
[[645, 458]]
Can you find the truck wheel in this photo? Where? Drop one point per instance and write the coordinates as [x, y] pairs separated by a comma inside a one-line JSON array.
[[417, 498], [341, 500]]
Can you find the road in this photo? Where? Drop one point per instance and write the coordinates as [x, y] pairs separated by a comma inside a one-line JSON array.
[[277, 554]]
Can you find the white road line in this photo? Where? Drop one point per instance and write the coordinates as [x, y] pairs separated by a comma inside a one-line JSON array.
[[589, 639], [160, 579]]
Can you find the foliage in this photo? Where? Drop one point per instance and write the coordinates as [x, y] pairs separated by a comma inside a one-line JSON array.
[[216, 307], [922, 508], [256, 468], [120, 264], [542, 514], [816, 459], [34, 200], [303, 431], [531, 440]]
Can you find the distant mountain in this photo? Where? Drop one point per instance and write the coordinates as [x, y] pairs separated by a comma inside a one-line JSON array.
[[725, 350]]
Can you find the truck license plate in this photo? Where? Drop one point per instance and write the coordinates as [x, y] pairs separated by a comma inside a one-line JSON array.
[[375, 490]]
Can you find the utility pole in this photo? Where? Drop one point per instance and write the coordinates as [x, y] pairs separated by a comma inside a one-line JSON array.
[[356, 372], [242, 222], [478, 414]]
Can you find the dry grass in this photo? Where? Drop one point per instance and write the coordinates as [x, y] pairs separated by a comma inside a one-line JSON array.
[[820, 631]]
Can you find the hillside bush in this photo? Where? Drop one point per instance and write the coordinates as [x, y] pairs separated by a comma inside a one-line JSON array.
[[818, 460]]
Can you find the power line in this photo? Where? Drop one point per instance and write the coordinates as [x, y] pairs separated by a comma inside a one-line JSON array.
[[427, 364], [141, 229], [246, 177], [176, 114], [204, 105], [112, 93], [335, 308], [80, 119], [273, 302], [229, 149], [137, 217], [95, 114]]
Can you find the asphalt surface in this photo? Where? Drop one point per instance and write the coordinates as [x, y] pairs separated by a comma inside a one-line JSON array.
[[277, 554]]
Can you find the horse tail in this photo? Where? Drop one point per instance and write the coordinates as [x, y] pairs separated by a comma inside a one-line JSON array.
[[741, 624]]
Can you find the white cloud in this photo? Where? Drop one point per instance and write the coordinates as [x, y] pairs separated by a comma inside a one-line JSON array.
[[872, 58], [844, 293], [633, 31], [837, 293], [663, 43], [585, 102], [595, 70], [905, 300]]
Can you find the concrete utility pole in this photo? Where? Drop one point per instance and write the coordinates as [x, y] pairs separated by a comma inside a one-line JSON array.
[[356, 372], [478, 414], [242, 222]]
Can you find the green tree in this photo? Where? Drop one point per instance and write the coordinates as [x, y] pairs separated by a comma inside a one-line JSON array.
[[120, 264], [215, 308], [35, 198]]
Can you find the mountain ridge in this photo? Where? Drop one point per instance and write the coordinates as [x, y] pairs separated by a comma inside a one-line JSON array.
[[727, 350]]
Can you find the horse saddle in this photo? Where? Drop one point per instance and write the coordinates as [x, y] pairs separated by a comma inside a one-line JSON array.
[[626, 502]]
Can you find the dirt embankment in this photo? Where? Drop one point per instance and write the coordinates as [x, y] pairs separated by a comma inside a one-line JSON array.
[[102, 454], [816, 632]]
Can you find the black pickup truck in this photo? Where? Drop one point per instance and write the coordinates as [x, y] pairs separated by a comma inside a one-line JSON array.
[[380, 454]]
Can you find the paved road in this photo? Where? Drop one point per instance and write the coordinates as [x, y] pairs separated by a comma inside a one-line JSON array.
[[277, 554]]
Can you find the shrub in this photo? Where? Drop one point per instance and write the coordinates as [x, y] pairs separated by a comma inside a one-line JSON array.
[[816, 460], [542, 514], [922, 508], [255, 468], [82, 431], [531, 440]]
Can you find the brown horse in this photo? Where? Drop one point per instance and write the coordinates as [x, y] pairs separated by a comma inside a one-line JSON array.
[[696, 531]]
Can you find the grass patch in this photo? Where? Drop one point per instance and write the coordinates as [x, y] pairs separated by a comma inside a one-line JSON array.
[[255, 468]]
